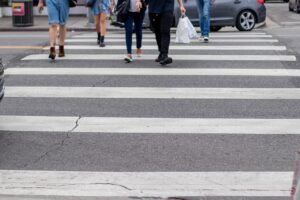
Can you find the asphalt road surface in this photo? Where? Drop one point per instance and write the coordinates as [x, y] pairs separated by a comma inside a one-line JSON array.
[[221, 122]]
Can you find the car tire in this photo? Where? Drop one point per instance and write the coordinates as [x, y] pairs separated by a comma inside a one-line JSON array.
[[215, 28], [246, 20]]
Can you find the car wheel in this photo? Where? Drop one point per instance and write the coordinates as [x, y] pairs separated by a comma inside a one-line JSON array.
[[246, 21], [215, 28]]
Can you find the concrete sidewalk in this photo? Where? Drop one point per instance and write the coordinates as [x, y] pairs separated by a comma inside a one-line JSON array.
[[75, 23]]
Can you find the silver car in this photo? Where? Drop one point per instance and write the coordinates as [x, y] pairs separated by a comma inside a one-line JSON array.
[[294, 5], [242, 14]]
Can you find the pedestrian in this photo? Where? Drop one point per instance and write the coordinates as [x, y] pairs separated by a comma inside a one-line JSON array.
[[135, 15], [204, 7], [161, 15], [58, 12], [100, 10]]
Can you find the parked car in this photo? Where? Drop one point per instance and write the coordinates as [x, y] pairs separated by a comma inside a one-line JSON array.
[[294, 5], [279, 1], [1, 80], [242, 14]]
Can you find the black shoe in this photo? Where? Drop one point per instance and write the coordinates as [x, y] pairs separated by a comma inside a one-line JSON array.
[[165, 60], [102, 44], [158, 58], [98, 41]]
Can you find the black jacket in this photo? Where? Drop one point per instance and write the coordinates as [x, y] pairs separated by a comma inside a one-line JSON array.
[[160, 6], [143, 3]]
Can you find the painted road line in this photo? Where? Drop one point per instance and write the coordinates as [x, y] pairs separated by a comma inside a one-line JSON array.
[[173, 36], [145, 184], [290, 23], [211, 34], [115, 40], [152, 93], [120, 57], [20, 47], [153, 71], [113, 125], [181, 47]]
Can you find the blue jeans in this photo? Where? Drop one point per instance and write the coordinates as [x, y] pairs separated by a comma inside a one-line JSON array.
[[137, 18], [204, 7], [58, 11]]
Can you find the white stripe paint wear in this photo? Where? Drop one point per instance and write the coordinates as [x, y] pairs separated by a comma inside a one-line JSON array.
[[145, 184]]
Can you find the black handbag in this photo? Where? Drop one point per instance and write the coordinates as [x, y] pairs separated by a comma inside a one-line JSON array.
[[72, 3], [122, 10], [90, 3]]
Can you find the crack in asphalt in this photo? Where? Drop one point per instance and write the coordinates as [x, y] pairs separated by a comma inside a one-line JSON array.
[[60, 144]]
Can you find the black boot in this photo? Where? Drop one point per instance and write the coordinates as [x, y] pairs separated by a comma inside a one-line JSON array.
[[52, 54], [158, 58], [165, 60], [98, 39], [102, 44]]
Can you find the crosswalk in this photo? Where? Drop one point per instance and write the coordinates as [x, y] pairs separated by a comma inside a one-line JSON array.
[[230, 57]]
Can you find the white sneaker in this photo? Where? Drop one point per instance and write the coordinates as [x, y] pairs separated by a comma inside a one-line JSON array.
[[206, 39], [128, 59], [201, 38]]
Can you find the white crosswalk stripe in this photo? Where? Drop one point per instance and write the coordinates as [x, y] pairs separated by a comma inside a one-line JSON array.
[[152, 36], [213, 40], [153, 93], [181, 48], [154, 71], [237, 48], [146, 184], [150, 125], [176, 57]]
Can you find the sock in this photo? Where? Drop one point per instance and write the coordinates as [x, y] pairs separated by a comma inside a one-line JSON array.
[[99, 35]]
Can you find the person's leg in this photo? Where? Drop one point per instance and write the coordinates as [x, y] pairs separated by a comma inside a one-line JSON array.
[[155, 25], [165, 31], [206, 17], [102, 28], [53, 18], [97, 26], [200, 12], [128, 33], [52, 34], [63, 18], [138, 22], [52, 40], [62, 34]]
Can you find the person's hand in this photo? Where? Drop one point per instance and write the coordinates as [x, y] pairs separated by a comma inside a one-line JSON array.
[[40, 6], [138, 5], [182, 10]]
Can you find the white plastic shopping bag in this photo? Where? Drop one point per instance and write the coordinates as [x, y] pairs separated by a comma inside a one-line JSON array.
[[182, 33], [191, 29]]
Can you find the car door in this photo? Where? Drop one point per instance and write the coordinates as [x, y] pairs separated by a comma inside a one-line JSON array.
[[192, 11], [222, 12]]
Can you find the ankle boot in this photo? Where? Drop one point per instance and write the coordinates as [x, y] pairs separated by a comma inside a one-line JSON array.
[[52, 54], [98, 38], [61, 51], [102, 44]]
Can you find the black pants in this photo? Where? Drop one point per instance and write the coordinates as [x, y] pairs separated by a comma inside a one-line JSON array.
[[161, 25]]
